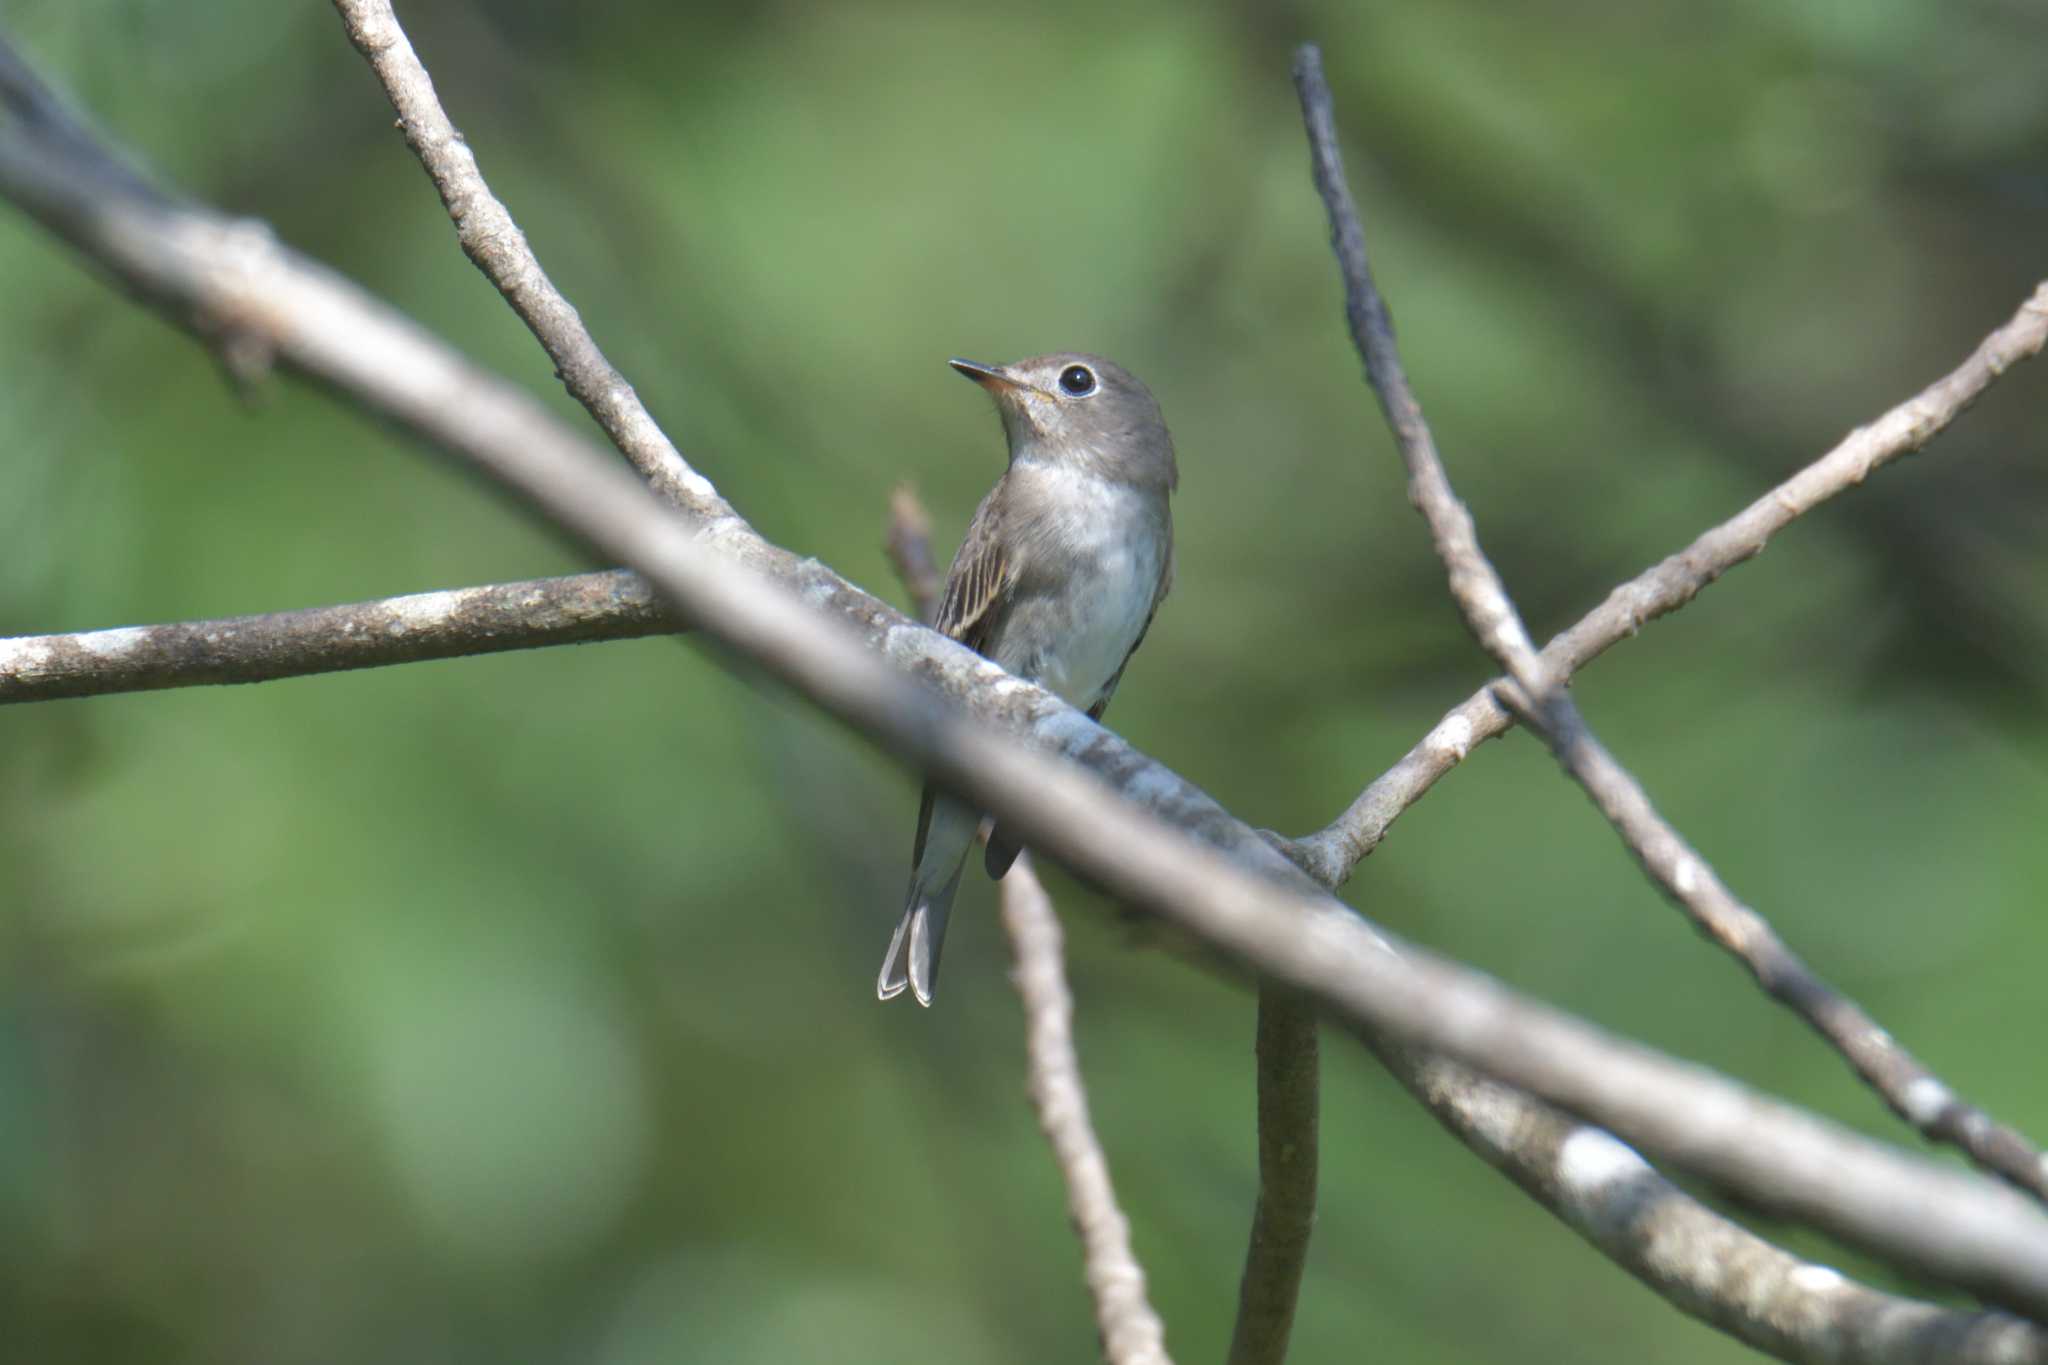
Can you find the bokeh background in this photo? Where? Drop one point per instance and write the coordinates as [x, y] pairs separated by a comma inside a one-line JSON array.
[[521, 1009]]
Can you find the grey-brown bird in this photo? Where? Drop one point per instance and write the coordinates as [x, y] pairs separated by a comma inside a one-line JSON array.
[[1063, 566]]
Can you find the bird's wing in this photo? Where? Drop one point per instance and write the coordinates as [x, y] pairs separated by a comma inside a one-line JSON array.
[[977, 587], [980, 578]]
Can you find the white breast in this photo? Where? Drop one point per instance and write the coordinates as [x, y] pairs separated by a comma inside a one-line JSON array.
[[1073, 642]]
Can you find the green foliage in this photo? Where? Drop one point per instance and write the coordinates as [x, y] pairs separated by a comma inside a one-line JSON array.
[[520, 1009]]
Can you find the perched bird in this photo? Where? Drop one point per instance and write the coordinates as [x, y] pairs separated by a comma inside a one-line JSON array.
[[1064, 564]]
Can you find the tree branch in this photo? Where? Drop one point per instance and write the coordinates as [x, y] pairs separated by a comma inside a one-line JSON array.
[[1702, 1263], [1131, 1332], [1670, 584], [288, 644], [1229, 889], [1912, 1091], [1290, 1100], [908, 544], [494, 242]]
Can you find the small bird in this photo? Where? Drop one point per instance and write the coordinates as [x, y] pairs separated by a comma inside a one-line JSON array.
[[1063, 566]]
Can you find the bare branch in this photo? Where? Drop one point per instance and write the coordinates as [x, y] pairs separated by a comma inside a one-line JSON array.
[[1290, 1096], [1193, 864], [290, 644], [453, 623], [448, 624], [1476, 587], [1330, 854], [1703, 1263], [1131, 1332], [494, 242], [909, 543], [1707, 1265], [1912, 1091], [1670, 584]]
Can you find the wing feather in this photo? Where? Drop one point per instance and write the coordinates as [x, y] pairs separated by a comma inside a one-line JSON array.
[[976, 587], [979, 579]]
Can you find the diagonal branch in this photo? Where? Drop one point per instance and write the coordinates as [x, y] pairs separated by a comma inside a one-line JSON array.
[[1671, 583], [1330, 854], [494, 242], [1192, 863], [1704, 1264], [1476, 587], [454, 623], [1912, 1091], [1698, 1260]]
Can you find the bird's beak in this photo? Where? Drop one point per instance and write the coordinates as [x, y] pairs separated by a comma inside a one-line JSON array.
[[990, 377]]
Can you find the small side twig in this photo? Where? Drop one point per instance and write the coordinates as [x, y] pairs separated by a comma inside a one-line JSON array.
[[1664, 587], [909, 543], [455, 623], [1905, 1084]]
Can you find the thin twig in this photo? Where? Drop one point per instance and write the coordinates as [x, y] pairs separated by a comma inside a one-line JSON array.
[[909, 544], [454, 623], [494, 242], [1674, 581], [1193, 864], [1907, 1086], [1131, 1332], [1481, 597], [1290, 1090]]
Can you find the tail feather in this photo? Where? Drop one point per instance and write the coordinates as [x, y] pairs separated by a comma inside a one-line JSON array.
[[913, 959]]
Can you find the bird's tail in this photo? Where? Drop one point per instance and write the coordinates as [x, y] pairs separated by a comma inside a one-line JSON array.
[[913, 959]]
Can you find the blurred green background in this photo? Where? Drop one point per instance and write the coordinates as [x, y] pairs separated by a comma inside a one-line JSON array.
[[521, 1009]]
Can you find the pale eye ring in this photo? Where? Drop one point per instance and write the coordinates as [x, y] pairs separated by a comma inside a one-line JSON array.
[[1077, 381]]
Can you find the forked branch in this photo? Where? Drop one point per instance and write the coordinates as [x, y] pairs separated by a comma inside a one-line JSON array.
[[211, 275], [1912, 1091]]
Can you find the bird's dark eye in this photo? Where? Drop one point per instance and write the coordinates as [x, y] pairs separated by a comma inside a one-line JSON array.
[[1077, 381]]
